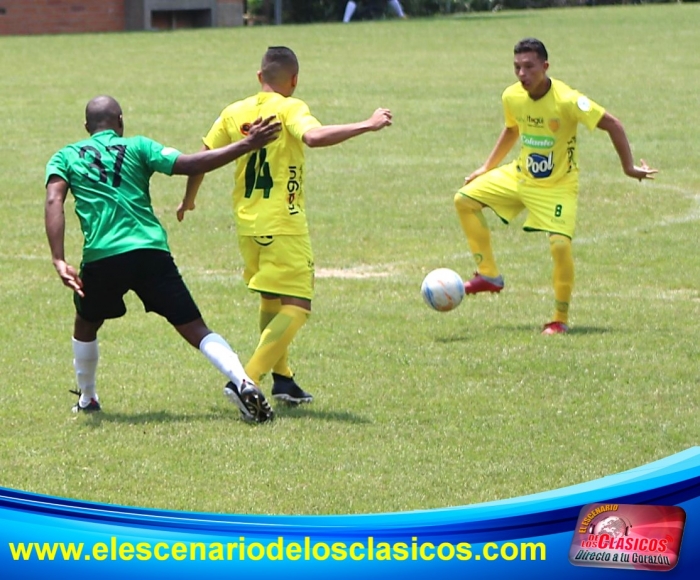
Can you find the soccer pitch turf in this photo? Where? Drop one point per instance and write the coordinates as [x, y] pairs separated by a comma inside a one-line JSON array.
[[414, 409]]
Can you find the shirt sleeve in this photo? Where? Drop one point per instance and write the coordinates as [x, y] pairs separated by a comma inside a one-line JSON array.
[[510, 120], [300, 120], [159, 157], [585, 111], [218, 136], [56, 166]]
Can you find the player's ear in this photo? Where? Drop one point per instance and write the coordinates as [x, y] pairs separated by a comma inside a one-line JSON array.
[[85, 124], [121, 121], [295, 80], [260, 80]]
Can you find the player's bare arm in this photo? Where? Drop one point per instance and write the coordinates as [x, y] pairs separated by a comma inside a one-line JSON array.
[[194, 182], [55, 224], [261, 132], [333, 134], [503, 145], [614, 128]]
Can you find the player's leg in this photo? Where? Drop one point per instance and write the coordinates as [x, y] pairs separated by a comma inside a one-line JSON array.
[[563, 281], [397, 8], [350, 8], [104, 284], [553, 210], [162, 290], [283, 274], [86, 355], [497, 190]]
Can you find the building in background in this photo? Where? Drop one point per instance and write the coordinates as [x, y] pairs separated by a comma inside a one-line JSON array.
[[74, 16]]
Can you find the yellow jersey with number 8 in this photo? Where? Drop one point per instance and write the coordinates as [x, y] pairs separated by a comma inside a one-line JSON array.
[[548, 129]]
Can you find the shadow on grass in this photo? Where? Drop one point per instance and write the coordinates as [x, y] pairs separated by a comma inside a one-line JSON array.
[[575, 330], [281, 412], [141, 418], [308, 411], [487, 15]]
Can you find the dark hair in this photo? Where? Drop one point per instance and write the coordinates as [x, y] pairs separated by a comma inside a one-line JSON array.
[[278, 63], [531, 45]]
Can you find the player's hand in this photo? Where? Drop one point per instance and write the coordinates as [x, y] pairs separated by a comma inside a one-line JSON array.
[[471, 177], [380, 118], [642, 171], [69, 277], [184, 206], [263, 131]]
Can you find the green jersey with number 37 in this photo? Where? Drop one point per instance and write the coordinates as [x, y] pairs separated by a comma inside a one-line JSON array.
[[268, 194], [109, 177]]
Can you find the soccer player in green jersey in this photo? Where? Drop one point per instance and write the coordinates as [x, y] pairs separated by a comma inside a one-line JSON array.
[[269, 207], [543, 114], [125, 247]]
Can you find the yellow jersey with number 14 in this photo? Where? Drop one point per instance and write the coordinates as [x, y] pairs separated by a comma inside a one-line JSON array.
[[547, 129], [268, 192]]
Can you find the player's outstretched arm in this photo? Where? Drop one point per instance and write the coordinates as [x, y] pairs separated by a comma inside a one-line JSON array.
[[261, 132], [503, 145], [55, 224], [333, 134], [613, 127]]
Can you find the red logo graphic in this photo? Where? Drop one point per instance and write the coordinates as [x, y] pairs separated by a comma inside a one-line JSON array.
[[633, 537]]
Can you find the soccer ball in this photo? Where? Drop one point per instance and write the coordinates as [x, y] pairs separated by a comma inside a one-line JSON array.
[[442, 289]]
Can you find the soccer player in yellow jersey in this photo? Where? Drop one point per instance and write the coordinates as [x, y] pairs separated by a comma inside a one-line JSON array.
[[543, 114], [269, 207]]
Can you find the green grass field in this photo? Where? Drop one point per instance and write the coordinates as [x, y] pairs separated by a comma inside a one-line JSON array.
[[414, 409]]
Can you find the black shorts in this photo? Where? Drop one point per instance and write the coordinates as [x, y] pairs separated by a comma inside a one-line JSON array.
[[152, 274]]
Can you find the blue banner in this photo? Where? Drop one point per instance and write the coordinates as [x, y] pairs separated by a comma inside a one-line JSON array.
[[526, 537]]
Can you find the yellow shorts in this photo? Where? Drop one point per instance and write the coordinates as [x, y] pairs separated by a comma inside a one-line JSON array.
[[281, 265], [549, 209]]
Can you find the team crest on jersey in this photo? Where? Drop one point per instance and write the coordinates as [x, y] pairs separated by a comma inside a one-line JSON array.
[[245, 128], [540, 166], [553, 125]]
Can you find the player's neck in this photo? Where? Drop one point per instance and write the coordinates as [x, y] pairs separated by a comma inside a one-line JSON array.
[[265, 88], [541, 90]]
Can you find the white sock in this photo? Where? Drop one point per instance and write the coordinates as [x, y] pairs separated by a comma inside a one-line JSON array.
[[85, 358], [396, 7], [349, 11], [221, 355]]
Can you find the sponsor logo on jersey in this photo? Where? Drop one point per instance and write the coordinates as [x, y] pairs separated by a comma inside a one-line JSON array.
[[540, 166], [538, 141], [584, 104], [535, 121]]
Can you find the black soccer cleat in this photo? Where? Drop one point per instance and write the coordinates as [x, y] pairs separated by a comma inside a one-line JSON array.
[[285, 389], [250, 402], [92, 407]]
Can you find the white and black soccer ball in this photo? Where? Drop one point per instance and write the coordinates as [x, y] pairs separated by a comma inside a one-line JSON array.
[[442, 289]]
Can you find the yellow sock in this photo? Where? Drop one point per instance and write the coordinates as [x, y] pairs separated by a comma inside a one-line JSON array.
[[476, 229], [563, 277], [268, 310], [275, 340]]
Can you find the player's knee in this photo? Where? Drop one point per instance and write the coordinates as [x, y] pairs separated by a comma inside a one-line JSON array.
[[559, 246], [464, 204]]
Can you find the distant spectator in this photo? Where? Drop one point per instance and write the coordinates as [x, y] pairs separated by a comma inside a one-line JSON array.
[[351, 6]]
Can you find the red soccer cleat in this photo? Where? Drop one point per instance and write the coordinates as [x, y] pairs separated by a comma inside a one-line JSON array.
[[480, 284], [555, 328]]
